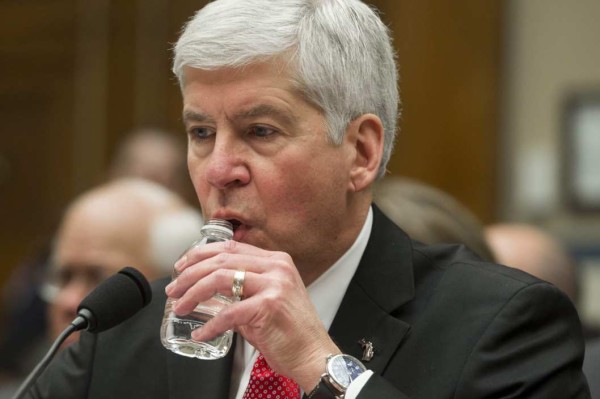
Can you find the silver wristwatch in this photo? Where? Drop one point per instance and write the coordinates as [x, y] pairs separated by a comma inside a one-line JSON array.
[[340, 371]]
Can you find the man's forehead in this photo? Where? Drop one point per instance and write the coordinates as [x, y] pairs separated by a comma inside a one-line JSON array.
[[276, 66]]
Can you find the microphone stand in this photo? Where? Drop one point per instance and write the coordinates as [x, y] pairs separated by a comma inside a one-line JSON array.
[[95, 312], [78, 324]]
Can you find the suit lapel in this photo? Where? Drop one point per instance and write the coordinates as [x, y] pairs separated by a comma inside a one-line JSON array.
[[382, 283]]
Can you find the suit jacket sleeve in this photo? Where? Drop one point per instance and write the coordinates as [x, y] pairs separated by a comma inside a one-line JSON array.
[[532, 349]]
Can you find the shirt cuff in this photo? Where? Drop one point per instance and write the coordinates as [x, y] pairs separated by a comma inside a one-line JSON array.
[[357, 385]]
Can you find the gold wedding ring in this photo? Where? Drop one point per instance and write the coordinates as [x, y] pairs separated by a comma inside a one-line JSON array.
[[237, 289]]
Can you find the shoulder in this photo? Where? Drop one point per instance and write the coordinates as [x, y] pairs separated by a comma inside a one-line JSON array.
[[511, 325], [458, 266], [457, 285]]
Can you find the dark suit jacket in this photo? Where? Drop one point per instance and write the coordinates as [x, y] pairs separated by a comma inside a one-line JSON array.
[[591, 366], [443, 323]]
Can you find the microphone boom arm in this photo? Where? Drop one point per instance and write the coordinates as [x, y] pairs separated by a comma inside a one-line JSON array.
[[78, 324]]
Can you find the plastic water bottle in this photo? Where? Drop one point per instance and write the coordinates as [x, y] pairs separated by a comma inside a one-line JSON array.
[[176, 331]]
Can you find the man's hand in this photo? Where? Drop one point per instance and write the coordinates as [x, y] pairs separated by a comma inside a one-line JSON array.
[[276, 314]]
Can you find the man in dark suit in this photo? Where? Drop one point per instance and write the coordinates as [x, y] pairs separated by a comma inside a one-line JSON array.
[[591, 366], [290, 109]]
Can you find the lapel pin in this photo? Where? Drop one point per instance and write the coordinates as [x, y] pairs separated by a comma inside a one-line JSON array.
[[368, 350]]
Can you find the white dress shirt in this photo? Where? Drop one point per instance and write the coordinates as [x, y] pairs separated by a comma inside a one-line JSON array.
[[326, 293]]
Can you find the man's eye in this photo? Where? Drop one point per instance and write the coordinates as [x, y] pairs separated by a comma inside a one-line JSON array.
[[262, 131], [201, 133], [62, 278]]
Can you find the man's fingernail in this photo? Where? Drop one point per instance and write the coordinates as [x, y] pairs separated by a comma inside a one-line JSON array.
[[169, 287], [197, 334]]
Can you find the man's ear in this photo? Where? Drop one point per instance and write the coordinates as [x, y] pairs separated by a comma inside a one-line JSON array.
[[366, 134]]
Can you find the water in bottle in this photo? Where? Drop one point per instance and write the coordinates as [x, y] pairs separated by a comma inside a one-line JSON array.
[[176, 330]]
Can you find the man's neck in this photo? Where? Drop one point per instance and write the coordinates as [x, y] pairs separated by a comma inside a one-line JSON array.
[[311, 268]]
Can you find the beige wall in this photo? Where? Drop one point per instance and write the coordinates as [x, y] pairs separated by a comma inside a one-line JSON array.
[[551, 50]]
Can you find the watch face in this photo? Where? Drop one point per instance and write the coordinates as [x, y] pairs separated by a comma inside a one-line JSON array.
[[344, 369]]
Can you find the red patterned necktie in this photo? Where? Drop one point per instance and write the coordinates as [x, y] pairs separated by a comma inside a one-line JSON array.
[[265, 383]]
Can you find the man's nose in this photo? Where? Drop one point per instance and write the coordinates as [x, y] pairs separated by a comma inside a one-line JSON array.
[[228, 163]]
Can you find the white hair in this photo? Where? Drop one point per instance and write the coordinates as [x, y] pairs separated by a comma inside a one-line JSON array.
[[339, 52], [171, 234]]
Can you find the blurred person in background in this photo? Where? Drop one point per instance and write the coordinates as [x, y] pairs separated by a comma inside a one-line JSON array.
[[430, 215], [24, 310], [536, 252], [150, 153], [156, 155], [125, 222]]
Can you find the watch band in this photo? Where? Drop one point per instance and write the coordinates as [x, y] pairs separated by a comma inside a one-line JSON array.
[[323, 390], [329, 386]]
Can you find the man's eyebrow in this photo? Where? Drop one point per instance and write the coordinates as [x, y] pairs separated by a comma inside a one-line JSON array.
[[262, 110], [257, 111], [195, 117]]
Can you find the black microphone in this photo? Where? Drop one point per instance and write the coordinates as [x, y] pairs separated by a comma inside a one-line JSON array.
[[112, 302], [115, 300]]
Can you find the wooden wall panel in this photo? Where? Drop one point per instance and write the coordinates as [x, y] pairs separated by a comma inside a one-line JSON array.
[[449, 57], [74, 79], [36, 94]]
